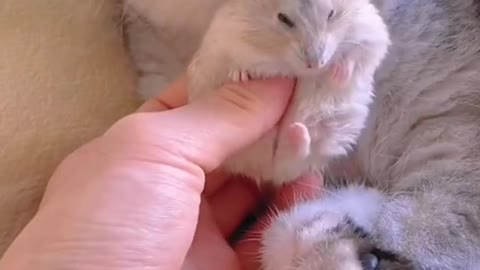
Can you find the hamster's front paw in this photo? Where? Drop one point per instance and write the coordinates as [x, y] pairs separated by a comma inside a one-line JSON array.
[[341, 71]]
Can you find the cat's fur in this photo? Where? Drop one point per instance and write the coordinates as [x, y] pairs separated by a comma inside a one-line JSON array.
[[421, 146]]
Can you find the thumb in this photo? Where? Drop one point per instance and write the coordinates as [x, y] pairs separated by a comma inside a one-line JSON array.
[[231, 118]]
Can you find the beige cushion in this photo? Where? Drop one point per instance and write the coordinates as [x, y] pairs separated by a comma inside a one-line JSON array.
[[64, 78]]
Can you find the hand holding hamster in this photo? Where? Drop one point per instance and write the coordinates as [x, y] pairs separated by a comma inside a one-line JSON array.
[[145, 176], [332, 47]]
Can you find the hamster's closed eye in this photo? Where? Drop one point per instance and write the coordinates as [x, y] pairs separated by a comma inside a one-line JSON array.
[[287, 21]]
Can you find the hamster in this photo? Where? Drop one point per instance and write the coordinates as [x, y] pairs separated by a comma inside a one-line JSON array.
[[332, 48]]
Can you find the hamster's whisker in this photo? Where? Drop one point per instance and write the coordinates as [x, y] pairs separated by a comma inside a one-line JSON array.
[[256, 233], [264, 223], [350, 42], [322, 189], [250, 240], [271, 215], [253, 254]]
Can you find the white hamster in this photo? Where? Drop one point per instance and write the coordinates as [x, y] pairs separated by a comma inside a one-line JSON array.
[[333, 48]]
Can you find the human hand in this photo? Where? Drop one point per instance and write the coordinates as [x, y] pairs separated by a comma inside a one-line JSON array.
[[130, 199]]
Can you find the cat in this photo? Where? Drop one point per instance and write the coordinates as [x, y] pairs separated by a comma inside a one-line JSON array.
[[419, 154]]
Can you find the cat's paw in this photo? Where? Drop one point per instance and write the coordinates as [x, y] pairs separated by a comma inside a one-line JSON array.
[[325, 240], [239, 76], [331, 233]]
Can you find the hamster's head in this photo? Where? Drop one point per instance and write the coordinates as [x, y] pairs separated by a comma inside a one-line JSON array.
[[308, 33], [304, 240]]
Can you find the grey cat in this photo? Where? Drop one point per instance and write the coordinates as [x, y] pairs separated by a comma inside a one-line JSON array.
[[421, 141], [417, 205]]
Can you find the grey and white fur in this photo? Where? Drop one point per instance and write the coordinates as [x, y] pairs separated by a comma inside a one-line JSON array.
[[419, 155]]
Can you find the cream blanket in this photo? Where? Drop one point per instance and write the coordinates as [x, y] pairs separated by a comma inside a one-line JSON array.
[[64, 78]]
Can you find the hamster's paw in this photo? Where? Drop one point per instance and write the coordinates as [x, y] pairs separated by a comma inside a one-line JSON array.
[[299, 139], [239, 76], [341, 71], [332, 233]]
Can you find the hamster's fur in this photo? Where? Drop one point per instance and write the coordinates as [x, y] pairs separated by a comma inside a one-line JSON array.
[[246, 36], [419, 151]]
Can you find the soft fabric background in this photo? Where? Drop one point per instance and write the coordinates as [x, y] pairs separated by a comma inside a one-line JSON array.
[[64, 78]]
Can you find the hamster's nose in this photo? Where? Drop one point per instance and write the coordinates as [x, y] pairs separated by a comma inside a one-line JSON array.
[[314, 63]]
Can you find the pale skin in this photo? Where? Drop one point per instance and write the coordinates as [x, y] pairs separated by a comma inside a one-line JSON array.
[[147, 195]]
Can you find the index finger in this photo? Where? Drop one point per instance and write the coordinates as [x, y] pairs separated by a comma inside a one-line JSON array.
[[172, 97]]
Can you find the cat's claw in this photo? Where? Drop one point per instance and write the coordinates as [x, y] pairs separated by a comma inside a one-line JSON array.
[[300, 140], [239, 76]]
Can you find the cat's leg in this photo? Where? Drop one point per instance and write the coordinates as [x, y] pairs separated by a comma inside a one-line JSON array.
[[435, 224], [329, 233]]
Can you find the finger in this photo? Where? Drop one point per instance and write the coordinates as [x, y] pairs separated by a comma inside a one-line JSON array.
[[215, 180], [173, 97], [211, 129], [209, 250], [232, 204], [249, 249]]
